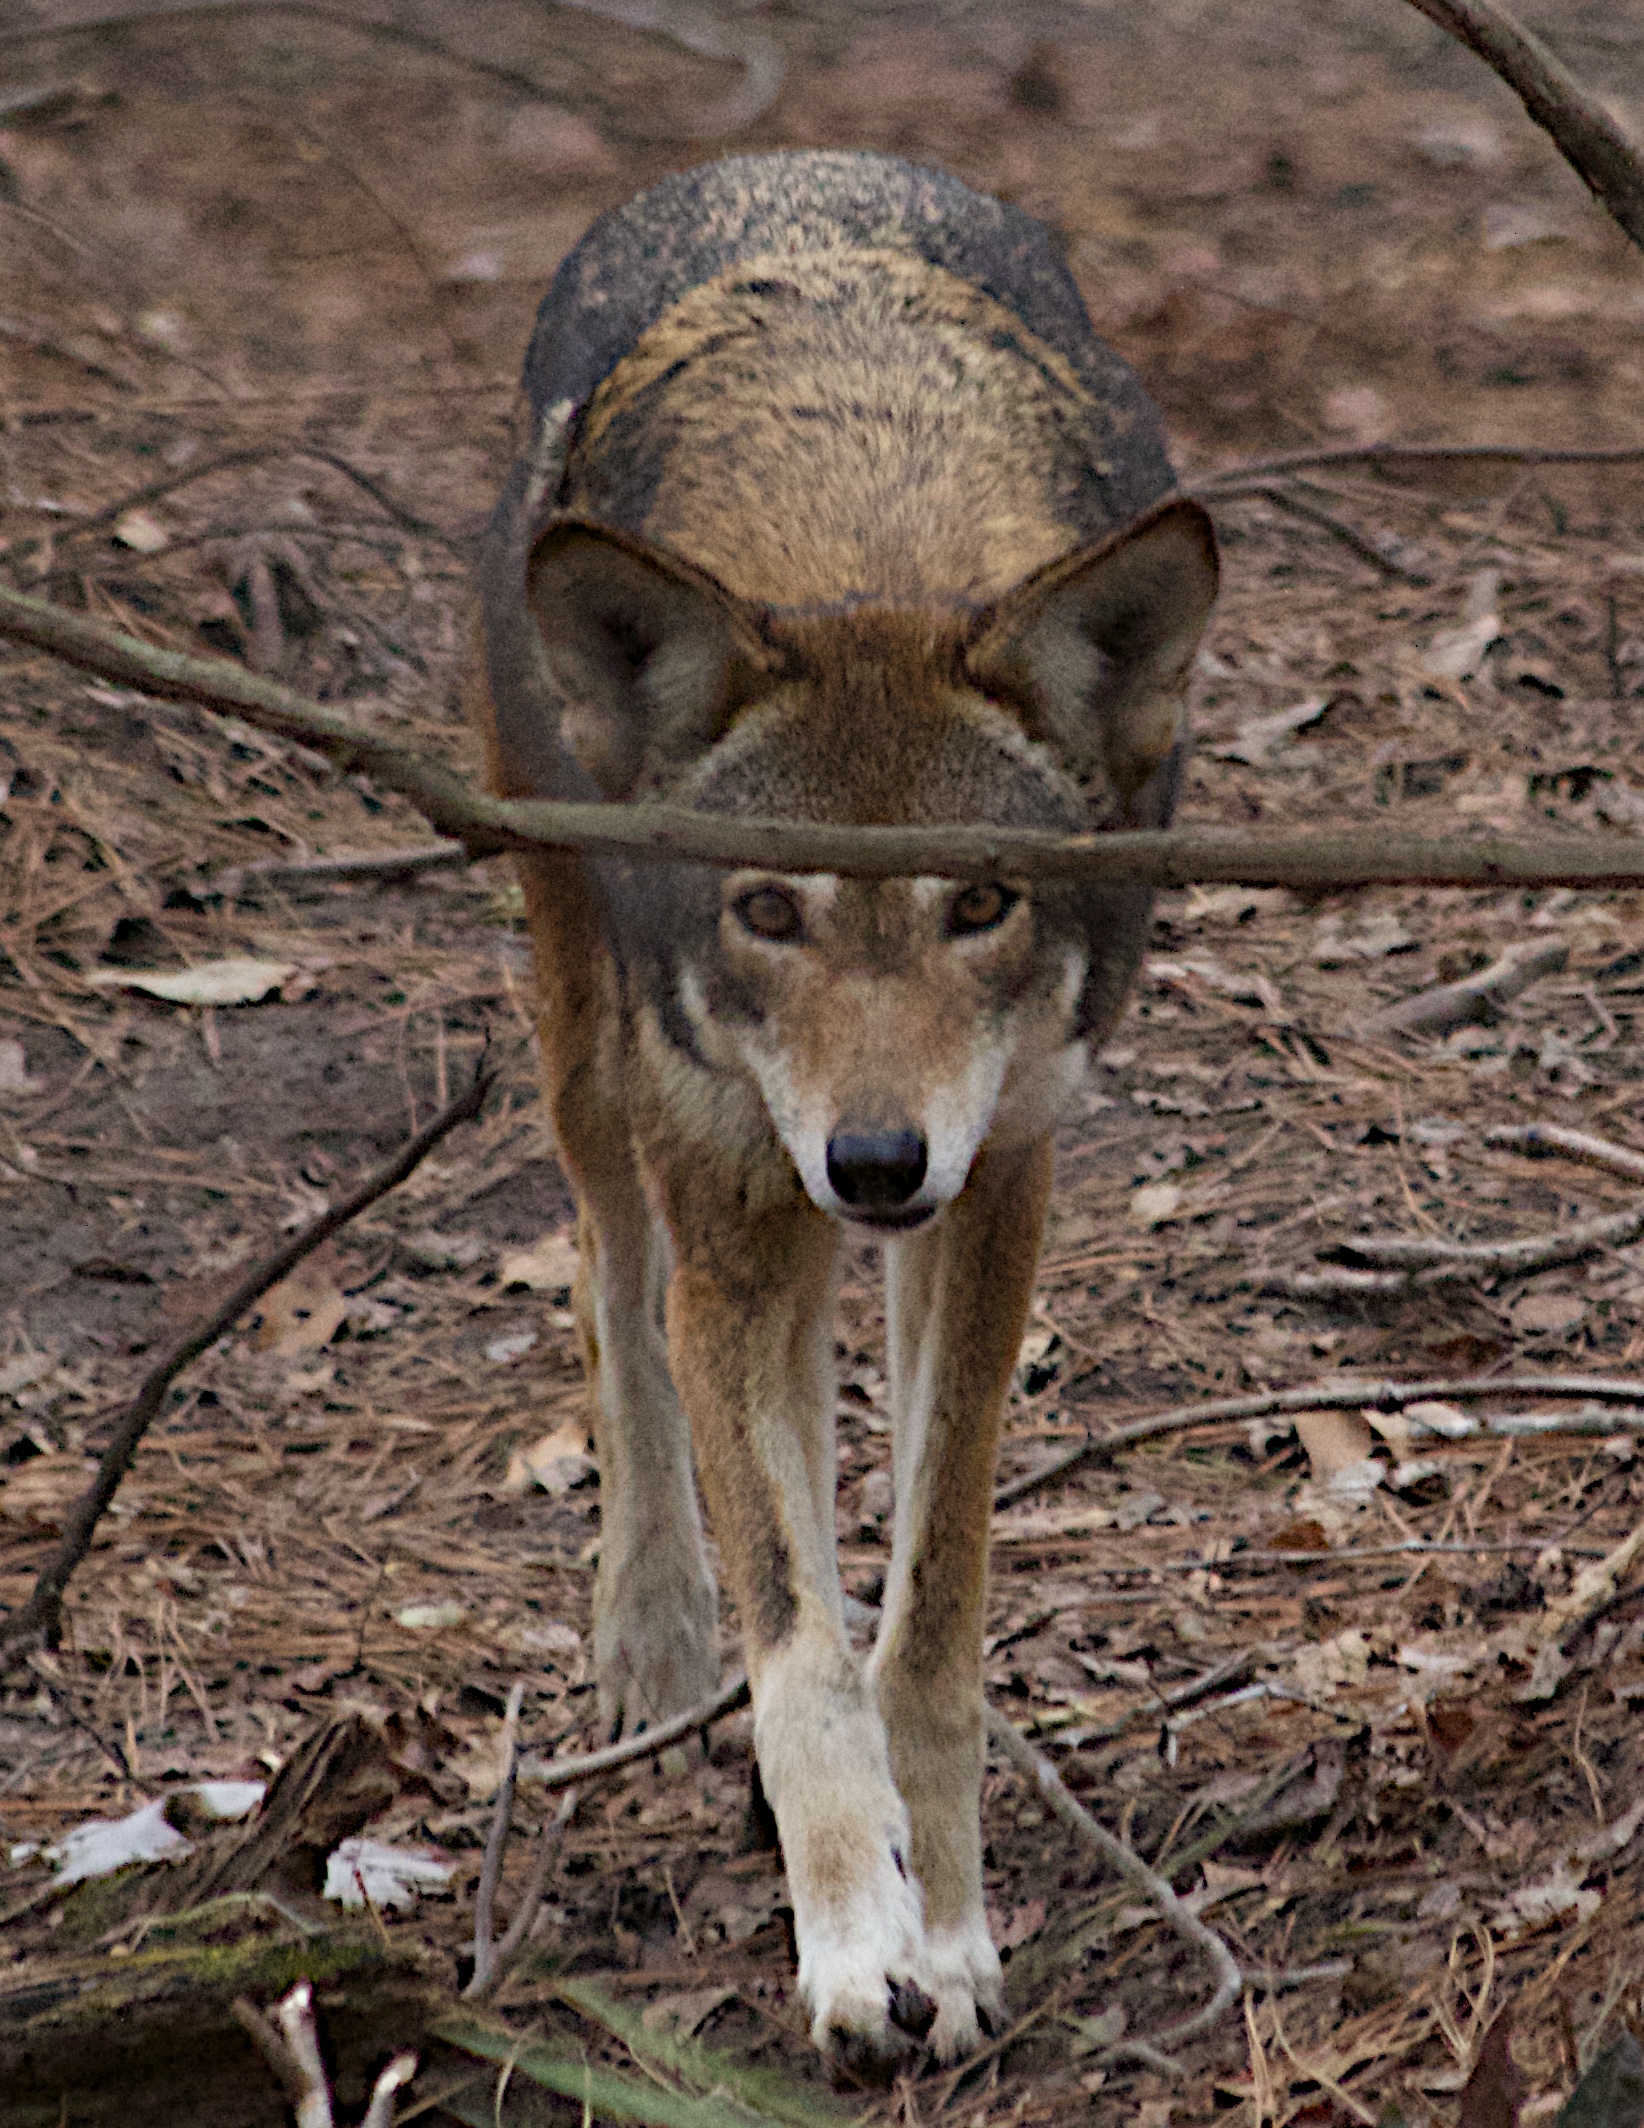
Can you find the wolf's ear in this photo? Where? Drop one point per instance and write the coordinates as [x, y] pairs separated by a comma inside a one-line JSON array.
[[1096, 648], [650, 657]]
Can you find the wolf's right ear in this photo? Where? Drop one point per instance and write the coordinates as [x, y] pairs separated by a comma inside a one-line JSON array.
[[650, 657], [1096, 648]]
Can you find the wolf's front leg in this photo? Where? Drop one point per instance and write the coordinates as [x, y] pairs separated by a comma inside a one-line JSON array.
[[957, 1300], [750, 1322]]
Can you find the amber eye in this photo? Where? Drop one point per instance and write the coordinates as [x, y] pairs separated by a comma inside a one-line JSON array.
[[980, 908], [771, 913]]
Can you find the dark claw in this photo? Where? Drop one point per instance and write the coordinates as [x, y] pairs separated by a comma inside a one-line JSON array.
[[911, 2009]]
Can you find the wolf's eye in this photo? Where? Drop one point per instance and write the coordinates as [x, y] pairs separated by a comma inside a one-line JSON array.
[[772, 913], [980, 908]]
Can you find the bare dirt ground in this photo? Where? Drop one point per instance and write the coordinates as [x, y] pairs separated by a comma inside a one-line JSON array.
[[261, 235]]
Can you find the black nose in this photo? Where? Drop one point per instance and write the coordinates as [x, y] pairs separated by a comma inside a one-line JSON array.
[[876, 1170]]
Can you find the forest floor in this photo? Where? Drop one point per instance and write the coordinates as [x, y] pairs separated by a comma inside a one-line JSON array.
[[254, 254]]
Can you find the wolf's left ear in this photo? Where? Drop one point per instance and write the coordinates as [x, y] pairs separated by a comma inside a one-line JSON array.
[[1096, 648]]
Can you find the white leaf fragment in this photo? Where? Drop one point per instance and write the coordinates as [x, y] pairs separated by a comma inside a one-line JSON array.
[[390, 1878], [228, 982]]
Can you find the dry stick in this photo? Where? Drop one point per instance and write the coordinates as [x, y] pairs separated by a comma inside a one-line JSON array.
[[491, 1963], [1209, 485], [1323, 1396], [485, 1898], [1476, 999], [759, 57], [1035, 1767], [1350, 536], [1590, 139], [1168, 858], [257, 454], [42, 1614], [1531, 1252], [290, 2044], [1547, 1139], [234, 882]]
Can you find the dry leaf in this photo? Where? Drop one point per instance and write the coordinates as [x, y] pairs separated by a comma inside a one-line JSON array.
[[549, 1267], [1014, 1926], [1261, 742], [14, 1070], [1156, 1202], [430, 1617], [1333, 1439], [1491, 2095], [142, 532], [686, 2014], [363, 1871], [226, 982], [1545, 1314], [556, 1462], [503, 1351], [305, 1309]]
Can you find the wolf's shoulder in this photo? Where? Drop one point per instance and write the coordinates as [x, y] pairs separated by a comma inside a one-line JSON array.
[[641, 258]]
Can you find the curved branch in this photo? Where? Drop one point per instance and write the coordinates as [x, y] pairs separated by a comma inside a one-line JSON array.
[[1596, 147], [1169, 858]]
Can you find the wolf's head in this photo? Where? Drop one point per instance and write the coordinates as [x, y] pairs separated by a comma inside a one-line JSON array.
[[889, 1026]]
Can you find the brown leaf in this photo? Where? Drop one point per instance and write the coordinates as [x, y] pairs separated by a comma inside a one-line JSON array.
[[1333, 1439], [1300, 1535], [306, 1309], [1493, 2091]]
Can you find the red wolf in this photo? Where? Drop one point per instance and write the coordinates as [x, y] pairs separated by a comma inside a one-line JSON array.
[[832, 508]]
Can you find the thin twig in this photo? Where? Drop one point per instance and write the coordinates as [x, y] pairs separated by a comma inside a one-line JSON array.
[[1550, 1138], [485, 1898], [492, 1960], [258, 454], [1324, 1396], [1590, 139], [504, 1953], [41, 1616], [1476, 999], [1357, 542], [1035, 1767], [645, 1743], [1421, 1254], [759, 57], [1164, 858], [237, 881], [1207, 485]]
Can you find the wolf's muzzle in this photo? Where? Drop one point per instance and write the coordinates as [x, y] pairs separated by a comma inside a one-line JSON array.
[[876, 1172]]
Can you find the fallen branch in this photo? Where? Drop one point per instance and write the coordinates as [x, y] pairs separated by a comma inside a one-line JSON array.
[[40, 1617], [1546, 1139], [1168, 858], [491, 1959], [1593, 1590], [1594, 144], [758, 56], [234, 883], [1008, 1740], [1207, 486], [1382, 1397], [1417, 1257], [290, 2044], [1476, 999], [485, 1897]]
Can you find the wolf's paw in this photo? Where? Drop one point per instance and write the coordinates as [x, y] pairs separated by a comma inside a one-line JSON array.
[[967, 1985], [655, 1654], [866, 1982]]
